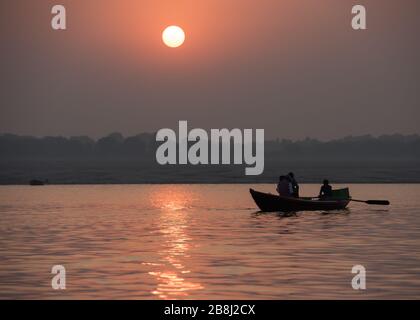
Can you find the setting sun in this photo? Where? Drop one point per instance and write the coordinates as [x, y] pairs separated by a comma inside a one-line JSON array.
[[173, 36]]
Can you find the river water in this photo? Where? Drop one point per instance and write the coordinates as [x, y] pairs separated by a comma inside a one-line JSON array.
[[204, 242]]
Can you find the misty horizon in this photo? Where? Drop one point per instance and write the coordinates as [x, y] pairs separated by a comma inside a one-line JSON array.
[[114, 159], [267, 139]]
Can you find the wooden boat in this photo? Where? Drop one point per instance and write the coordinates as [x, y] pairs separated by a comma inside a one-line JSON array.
[[269, 202]]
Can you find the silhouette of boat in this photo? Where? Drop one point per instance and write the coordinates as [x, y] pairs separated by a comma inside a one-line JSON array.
[[37, 182], [268, 202]]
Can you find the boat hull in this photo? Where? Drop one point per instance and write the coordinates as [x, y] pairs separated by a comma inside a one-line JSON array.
[[269, 203]]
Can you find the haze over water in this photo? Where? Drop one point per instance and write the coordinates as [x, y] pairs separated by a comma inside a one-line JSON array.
[[204, 242]]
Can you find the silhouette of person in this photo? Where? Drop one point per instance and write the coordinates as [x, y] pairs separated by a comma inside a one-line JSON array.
[[284, 187], [326, 190], [294, 184]]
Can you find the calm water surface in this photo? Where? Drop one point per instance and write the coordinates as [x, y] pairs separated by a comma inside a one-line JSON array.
[[204, 242]]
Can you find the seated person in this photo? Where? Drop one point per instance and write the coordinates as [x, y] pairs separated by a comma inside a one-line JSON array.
[[284, 187], [326, 190], [295, 185]]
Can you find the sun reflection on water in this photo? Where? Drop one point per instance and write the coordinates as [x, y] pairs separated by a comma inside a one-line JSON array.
[[173, 203]]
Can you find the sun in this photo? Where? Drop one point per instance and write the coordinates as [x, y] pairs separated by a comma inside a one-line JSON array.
[[173, 36]]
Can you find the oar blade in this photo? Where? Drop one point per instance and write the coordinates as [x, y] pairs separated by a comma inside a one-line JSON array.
[[378, 202]]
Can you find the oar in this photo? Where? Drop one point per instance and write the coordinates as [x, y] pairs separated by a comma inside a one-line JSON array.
[[378, 202]]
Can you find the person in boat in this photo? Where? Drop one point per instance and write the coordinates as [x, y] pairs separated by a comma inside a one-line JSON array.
[[294, 184], [284, 187], [326, 190]]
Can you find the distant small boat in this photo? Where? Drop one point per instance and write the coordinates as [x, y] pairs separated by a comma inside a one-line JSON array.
[[268, 202], [37, 182]]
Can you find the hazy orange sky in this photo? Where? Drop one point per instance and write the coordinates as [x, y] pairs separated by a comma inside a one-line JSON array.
[[294, 67]]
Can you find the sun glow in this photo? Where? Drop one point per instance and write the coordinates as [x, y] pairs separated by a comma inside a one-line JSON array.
[[173, 36]]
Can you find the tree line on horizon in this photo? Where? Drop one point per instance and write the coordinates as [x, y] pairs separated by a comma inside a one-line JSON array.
[[143, 146]]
